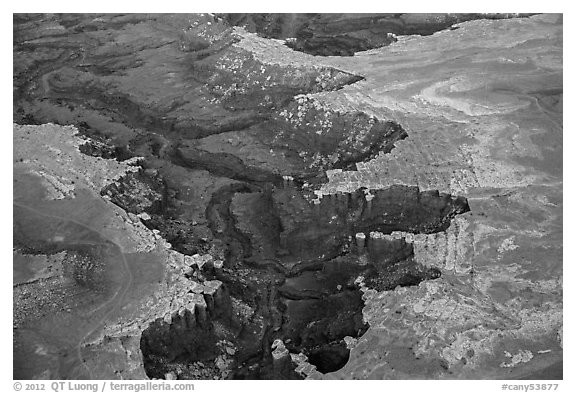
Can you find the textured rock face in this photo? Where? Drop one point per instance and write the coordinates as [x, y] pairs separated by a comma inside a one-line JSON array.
[[346, 34], [263, 213], [479, 127], [98, 282]]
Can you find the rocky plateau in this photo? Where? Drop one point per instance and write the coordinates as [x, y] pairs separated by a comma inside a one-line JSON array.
[[290, 196]]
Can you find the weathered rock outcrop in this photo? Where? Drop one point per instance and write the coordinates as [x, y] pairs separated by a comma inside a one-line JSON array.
[[289, 215], [346, 34]]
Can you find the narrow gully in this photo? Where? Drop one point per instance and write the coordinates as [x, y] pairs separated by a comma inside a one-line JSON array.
[[292, 261], [233, 177], [302, 279]]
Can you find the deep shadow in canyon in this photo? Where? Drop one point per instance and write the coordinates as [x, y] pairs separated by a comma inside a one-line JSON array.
[[233, 150], [298, 264], [330, 34]]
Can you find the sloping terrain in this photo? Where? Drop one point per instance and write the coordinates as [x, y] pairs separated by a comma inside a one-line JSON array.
[[227, 207], [345, 34]]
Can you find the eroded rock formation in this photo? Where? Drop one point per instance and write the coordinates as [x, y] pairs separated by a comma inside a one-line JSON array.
[[346, 34], [288, 216]]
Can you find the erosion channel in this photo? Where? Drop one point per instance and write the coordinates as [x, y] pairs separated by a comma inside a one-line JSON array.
[[234, 154], [282, 265]]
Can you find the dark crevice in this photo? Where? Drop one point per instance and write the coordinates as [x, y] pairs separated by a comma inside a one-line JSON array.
[[299, 272], [346, 34], [229, 170], [292, 261]]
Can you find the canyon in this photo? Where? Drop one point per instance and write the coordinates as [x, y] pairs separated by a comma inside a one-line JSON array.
[[312, 199]]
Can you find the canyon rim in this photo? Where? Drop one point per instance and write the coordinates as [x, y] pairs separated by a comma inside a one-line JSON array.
[[287, 196]]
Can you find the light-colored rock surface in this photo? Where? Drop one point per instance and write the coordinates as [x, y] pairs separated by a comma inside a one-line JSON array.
[[156, 287], [482, 106], [52, 152]]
